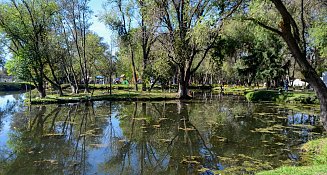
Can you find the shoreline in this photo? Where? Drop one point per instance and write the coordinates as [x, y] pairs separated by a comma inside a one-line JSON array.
[[121, 96]]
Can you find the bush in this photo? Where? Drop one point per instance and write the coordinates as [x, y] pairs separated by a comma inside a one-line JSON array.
[[262, 96], [13, 86]]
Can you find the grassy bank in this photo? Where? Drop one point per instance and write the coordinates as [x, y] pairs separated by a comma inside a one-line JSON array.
[[13, 86], [282, 97], [132, 86], [235, 90], [314, 159], [255, 94], [117, 95]]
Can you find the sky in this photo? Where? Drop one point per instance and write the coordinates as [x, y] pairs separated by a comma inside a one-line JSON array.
[[98, 27]]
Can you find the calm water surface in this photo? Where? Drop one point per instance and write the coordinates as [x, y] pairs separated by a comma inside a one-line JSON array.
[[211, 134]]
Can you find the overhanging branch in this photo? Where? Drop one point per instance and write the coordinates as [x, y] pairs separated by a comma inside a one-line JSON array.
[[264, 25]]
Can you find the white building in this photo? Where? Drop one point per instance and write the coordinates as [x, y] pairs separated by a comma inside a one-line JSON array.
[[324, 77], [300, 83]]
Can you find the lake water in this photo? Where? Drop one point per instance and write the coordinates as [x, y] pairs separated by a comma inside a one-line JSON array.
[[210, 134]]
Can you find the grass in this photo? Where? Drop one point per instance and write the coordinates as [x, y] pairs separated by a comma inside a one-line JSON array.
[[132, 86], [314, 158], [303, 170], [117, 95], [282, 97], [302, 97], [256, 94], [235, 90]]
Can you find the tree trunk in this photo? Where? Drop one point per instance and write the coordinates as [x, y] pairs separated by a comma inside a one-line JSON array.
[[183, 92], [110, 82], [154, 83], [60, 91], [40, 88], [40, 84], [143, 73], [73, 88], [134, 69], [86, 84], [144, 46], [55, 83], [291, 37]]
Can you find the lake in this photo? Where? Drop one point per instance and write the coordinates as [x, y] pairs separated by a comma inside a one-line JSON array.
[[210, 134]]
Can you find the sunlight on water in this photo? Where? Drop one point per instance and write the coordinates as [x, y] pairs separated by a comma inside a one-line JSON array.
[[220, 134]]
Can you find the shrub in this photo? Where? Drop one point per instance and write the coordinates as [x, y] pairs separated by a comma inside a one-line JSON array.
[[262, 96]]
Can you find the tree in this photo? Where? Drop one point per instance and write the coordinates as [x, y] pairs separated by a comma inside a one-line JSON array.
[[103, 61], [190, 30], [26, 25], [76, 14], [318, 35], [119, 19], [2, 48], [149, 18], [294, 33], [63, 51], [257, 54]]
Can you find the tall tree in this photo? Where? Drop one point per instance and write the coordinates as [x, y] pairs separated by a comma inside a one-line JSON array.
[[149, 18], [294, 32], [190, 30], [26, 25], [64, 51], [119, 19], [76, 14]]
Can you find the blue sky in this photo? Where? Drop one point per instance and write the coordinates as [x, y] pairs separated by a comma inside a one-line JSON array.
[[98, 27]]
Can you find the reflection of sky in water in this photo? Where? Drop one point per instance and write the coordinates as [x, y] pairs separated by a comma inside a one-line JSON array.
[[4, 100], [300, 118], [100, 155], [4, 133], [104, 148]]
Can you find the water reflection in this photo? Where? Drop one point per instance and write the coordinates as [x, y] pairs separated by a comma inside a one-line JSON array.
[[219, 134]]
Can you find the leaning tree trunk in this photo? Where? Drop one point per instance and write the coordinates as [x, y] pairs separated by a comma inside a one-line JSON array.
[[311, 77], [290, 34]]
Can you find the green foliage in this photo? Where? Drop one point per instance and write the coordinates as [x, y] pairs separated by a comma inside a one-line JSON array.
[[252, 52], [302, 170], [282, 97], [319, 36], [304, 98], [14, 86], [315, 152], [18, 67], [26, 26]]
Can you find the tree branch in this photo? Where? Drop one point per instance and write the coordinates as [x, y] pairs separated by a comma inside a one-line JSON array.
[[264, 25], [202, 59]]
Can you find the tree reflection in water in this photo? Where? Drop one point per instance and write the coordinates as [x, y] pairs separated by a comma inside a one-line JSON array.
[[184, 137]]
